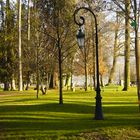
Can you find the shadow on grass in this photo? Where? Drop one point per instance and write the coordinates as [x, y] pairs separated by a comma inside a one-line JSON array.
[[71, 107], [52, 107], [52, 117]]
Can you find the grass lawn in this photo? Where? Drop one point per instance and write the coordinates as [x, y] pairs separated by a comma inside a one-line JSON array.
[[24, 117]]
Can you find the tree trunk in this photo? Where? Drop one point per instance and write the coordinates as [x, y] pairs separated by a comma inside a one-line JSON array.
[[43, 89], [71, 83], [86, 71], [67, 83], [93, 55], [60, 74], [28, 43], [90, 74], [20, 88], [37, 73], [51, 83], [101, 80], [137, 54], [112, 72], [57, 16], [47, 82], [71, 74], [2, 14], [6, 86], [13, 85], [137, 50], [37, 64], [127, 46], [28, 81], [53, 80]]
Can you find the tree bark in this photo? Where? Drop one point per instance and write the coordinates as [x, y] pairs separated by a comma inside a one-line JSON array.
[[137, 55], [112, 72], [28, 25], [86, 71], [37, 72], [93, 55], [67, 83], [2, 14], [28, 45], [137, 49], [51, 83], [6, 86], [60, 74], [28, 80], [13, 85], [127, 46], [20, 86]]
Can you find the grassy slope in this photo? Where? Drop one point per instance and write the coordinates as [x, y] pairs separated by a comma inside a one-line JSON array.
[[22, 116]]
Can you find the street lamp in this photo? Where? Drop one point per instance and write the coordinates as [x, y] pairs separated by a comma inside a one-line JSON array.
[[81, 43], [98, 107], [80, 38]]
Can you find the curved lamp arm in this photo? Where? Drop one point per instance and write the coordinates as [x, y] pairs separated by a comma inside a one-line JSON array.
[[81, 17]]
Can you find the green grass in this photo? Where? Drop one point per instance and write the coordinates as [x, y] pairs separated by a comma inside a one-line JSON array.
[[22, 116]]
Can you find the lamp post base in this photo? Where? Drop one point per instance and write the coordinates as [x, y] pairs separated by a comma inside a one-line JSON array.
[[98, 108]]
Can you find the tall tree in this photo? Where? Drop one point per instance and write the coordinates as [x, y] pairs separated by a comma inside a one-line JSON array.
[[57, 23], [126, 10], [20, 83], [6, 47], [136, 10], [2, 14], [28, 42], [135, 5], [127, 46], [112, 72]]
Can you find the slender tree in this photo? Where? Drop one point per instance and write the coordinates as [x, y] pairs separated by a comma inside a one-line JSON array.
[[127, 46], [2, 14], [137, 44], [20, 83], [57, 24], [112, 72], [28, 42], [6, 47]]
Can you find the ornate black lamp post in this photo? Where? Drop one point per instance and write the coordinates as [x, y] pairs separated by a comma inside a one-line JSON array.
[[80, 39]]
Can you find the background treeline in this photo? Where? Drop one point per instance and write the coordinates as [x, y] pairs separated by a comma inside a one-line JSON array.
[[38, 44]]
